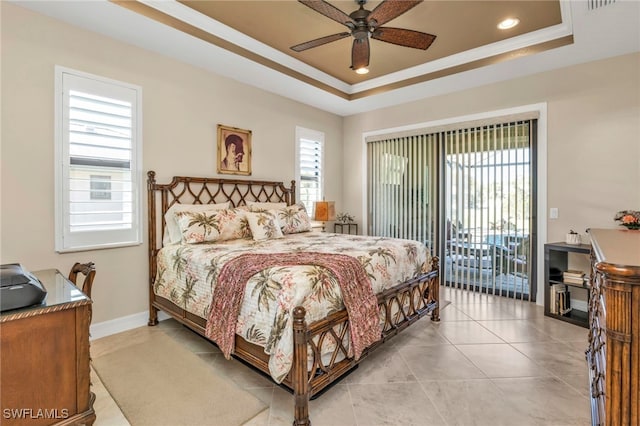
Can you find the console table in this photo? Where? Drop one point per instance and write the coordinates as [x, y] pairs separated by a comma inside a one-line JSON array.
[[45, 358], [613, 355]]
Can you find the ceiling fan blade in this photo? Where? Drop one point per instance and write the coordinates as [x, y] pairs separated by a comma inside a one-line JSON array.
[[329, 10], [360, 53], [403, 37], [319, 41], [390, 9]]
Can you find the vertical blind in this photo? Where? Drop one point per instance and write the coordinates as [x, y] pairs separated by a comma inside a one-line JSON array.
[[467, 194], [402, 189], [487, 206]]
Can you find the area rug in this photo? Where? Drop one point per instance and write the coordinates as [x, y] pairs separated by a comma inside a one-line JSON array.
[[161, 383]]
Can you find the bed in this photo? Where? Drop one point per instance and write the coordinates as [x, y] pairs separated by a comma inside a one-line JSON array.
[[301, 316]]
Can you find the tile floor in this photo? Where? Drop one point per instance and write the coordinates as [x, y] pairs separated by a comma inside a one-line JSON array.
[[490, 361]]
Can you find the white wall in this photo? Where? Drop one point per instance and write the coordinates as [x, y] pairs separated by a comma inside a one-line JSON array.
[[181, 107], [593, 137]]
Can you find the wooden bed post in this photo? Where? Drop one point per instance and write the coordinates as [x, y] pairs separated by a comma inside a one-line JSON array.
[[300, 378], [151, 206], [435, 288]]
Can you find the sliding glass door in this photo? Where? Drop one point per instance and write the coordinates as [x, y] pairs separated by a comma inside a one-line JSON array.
[[469, 195], [488, 203]]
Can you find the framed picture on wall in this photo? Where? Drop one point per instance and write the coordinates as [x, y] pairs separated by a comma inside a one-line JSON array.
[[234, 150]]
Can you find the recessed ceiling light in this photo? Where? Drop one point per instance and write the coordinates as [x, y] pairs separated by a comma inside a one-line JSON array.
[[508, 23], [363, 70]]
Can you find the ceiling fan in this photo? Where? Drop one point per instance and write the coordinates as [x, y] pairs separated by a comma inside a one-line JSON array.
[[363, 24]]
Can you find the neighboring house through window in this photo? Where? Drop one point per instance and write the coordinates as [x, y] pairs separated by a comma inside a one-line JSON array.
[[309, 167], [98, 158]]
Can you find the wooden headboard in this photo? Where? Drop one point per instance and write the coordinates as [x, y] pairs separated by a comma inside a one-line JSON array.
[[201, 190]]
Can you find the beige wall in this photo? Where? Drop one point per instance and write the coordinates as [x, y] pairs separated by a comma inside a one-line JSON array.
[[593, 137], [181, 107], [592, 141]]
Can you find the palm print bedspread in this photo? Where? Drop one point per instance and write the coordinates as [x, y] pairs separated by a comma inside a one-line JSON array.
[[187, 274]]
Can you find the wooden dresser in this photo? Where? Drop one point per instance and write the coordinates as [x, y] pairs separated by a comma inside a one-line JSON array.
[[44, 350], [614, 327]]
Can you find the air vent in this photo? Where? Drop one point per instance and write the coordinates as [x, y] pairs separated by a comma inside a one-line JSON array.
[[596, 4]]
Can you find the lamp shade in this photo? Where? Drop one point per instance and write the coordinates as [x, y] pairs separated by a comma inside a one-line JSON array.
[[324, 211]]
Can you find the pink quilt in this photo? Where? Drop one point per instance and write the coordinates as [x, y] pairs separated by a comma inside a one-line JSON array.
[[357, 294]]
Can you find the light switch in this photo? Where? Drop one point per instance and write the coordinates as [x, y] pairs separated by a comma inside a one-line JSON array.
[[553, 213]]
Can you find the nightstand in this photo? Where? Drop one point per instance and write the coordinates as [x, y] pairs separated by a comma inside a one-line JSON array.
[[345, 228]]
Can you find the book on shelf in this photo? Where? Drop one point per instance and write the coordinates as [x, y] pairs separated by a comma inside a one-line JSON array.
[[564, 302], [573, 273], [560, 299], [573, 276]]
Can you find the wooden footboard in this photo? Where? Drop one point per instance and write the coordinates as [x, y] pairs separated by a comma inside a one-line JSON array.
[[311, 372]]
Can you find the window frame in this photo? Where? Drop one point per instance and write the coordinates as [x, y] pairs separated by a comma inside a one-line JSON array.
[[314, 135], [65, 240]]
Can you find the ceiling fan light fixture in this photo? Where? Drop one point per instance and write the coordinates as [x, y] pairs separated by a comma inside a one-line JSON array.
[[362, 70], [508, 23]]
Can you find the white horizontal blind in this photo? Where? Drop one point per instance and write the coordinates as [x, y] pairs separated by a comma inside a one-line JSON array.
[[309, 156], [98, 178]]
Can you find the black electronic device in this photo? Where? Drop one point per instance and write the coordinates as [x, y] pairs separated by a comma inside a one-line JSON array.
[[19, 288]]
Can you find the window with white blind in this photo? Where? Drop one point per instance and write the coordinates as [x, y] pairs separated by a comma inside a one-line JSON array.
[[309, 162], [97, 162]]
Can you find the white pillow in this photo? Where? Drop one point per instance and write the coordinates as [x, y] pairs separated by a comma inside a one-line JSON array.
[[264, 225], [255, 206], [172, 234]]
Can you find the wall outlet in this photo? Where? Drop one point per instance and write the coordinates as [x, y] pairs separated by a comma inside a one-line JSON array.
[[553, 213]]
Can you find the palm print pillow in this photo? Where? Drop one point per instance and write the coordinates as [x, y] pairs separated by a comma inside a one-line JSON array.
[[294, 219], [264, 225], [219, 225]]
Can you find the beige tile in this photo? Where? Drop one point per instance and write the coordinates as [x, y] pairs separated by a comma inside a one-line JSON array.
[[549, 400], [555, 357], [422, 333], [333, 408], [439, 363], [501, 360], [452, 313], [393, 404], [261, 419], [521, 309], [383, 366], [473, 403], [459, 332], [281, 409], [561, 330], [515, 331], [487, 311], [579, 382]]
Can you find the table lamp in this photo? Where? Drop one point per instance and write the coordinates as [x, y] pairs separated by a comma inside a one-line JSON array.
[[324, 211]]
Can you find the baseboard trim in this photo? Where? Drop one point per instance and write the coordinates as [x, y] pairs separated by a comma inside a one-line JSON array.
[[118, 325]]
